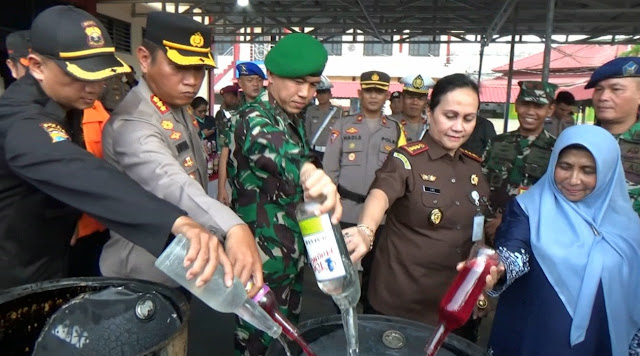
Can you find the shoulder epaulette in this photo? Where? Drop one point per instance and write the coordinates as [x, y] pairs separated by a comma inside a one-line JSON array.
[[159, 104], [471, 155], [415, 147]]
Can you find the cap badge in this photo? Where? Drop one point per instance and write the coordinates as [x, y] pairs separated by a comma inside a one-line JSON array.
[[243, 69], [197, 40], [436, 216], [629, 69], [375, 77], [94, 35], [418, 82]]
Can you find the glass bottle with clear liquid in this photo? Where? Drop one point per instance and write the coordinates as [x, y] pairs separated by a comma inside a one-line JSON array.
[[329, 259], [215, 293]]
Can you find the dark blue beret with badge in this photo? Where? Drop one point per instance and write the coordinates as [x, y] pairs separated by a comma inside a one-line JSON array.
[[249, 68], [618, 68]]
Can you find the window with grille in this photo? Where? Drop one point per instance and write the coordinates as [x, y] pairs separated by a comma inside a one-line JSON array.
[[119, 31], [373, 47], [223, 44], [424, 49], [334, 48]]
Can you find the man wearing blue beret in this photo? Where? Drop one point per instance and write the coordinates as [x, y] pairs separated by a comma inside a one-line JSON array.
[[616, 99], [270, 163], [250, 80]]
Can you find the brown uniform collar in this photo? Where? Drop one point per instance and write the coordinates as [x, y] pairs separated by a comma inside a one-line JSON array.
[[435, 150]]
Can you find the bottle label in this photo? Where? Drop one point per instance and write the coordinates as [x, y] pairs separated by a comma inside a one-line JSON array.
[[322, 247], [478, 228]]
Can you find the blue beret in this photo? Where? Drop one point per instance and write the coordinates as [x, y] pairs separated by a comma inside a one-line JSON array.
[[617, 68], [249, 68]]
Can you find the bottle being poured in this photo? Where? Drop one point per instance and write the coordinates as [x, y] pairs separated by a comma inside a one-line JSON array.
[[215, 293], [267, 300], [335, 274], [458, 302]]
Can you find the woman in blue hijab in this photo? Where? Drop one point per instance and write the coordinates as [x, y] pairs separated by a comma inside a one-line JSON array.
[[570, 248]]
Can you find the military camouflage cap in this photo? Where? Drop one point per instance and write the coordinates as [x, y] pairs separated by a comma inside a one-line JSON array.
[[617, 68], [297, 55], [537, 92]]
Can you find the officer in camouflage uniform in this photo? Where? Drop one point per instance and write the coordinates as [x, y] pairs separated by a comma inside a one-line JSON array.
[[616, 99], [269, 165], [250, 79], [414, 101], [515, 160]]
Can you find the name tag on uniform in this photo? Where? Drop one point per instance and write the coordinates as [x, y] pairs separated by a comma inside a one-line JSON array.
[[430, 190], [182, 146]]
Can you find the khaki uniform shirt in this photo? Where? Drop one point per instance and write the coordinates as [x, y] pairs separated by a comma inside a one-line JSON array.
[[159, 147], [314, 118], [428, 228], [413, 131], [354, 153]]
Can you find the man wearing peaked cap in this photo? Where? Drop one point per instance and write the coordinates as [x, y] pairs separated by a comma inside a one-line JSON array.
[[271, 167], [395, 103], [48, 176], [414, 101], [18, 50], [514, 161], [323, 115], [357, 147], [616, 99], [153, 137]]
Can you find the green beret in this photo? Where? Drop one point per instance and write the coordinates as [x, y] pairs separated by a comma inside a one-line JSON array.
[[297, 55]]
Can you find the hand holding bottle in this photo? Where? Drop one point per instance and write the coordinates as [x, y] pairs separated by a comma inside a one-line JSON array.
[[318, 186]]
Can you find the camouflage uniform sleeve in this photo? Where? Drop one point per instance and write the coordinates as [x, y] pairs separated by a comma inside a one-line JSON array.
[[307, 129], [221, 129], [485, 158], [270, 149], [333, 153]]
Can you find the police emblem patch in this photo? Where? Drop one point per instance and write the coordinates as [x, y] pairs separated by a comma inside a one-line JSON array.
[[94, 35], [334, 135], [197, 40], [54, 131]]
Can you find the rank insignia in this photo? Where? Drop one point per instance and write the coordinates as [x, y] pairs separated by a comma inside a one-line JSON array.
[[188, 162], [334, 134], [474, 179], [56, 132], [159, 104], [435, 216], [471, 155], [352, 145], [415, 148], [166, 124], [352, 156], [175, 135], [404, 159], [428, 177], [352, 131]]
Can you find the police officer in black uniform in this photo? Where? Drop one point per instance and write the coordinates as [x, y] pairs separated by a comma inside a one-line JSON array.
[[47, 177]]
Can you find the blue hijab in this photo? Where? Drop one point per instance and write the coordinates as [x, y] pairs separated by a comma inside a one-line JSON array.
[[596, 240]]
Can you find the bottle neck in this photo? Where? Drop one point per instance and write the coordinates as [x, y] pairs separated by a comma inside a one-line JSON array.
[[438, 337]]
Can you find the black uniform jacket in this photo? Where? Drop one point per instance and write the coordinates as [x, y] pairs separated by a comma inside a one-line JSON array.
[[47, 178]]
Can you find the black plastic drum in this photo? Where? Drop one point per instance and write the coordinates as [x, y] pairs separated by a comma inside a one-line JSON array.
[[378, 335], [114, 316]]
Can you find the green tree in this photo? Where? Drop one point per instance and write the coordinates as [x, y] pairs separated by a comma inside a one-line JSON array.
[[633, 52]]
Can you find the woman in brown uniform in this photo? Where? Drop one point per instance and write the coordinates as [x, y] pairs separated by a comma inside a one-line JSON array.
[[425, 188]]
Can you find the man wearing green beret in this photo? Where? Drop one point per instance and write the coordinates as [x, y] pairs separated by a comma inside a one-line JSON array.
[[270, 163], [514, 161]]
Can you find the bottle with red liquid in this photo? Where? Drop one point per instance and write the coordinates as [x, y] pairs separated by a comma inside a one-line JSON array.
[[267, 300], [458, 302]]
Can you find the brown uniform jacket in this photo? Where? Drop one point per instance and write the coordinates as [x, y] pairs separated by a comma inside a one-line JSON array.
[[417, 254]]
